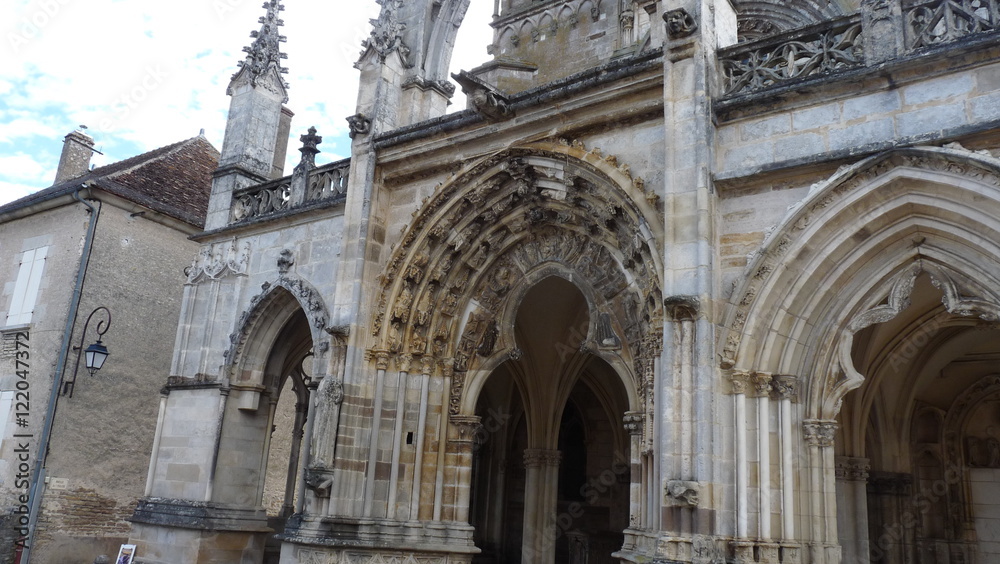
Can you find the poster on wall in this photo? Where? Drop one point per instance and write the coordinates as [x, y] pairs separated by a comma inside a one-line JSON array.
[[126, 554]]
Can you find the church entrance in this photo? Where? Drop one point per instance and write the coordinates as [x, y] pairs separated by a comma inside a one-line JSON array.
[[550, 472]]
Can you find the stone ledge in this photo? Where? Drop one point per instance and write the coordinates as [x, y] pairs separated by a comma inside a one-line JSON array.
[[198, 515]]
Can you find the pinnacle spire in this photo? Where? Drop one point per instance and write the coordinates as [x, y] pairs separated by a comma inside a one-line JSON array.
[[265, 52]]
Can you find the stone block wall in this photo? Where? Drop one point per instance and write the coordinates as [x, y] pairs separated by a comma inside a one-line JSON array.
[[877, 115]]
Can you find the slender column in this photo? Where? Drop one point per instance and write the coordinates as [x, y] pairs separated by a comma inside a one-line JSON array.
[[272, 407], [633, 425], [468, 426], [404, 362], [786, 386], [382, 363], [762, 386], [740, 382], [156, 445], [223, 399], [532, 487], [819, 435], [447, 369], [418, 464], [307, 458], [293, 463]]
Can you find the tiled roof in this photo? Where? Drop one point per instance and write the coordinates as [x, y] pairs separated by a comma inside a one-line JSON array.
[[175, 180]]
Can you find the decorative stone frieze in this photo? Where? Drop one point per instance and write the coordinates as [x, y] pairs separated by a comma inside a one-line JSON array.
[[219, 260]]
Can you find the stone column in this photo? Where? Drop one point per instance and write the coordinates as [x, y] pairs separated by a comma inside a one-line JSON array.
[[468, 427], [381, 365], [633, 426], [819, 435], [740, 383], [540, 497], [447, 371], [403, 363], [852, 509], [787, 389], [767, 550], [427, 366]]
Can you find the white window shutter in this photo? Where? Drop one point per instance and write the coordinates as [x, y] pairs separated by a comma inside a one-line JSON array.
[[29, 279]]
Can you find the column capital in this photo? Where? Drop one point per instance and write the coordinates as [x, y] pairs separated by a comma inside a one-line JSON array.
[[468, 426], [820, 432], [404, 362], [761, 384], [786, 386], [740, 382], [381, 358], [539, 457], [853, 469], [634, 422]]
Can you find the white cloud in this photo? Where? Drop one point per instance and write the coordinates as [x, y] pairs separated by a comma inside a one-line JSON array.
[[145, 74]]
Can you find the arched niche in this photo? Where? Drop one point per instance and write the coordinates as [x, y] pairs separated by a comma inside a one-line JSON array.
[[844, 258]]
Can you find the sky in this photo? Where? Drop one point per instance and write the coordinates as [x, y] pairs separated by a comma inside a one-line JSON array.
[[142, 74]]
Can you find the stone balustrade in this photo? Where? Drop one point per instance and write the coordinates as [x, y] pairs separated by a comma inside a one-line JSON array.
[[884, 30], [322, 184]]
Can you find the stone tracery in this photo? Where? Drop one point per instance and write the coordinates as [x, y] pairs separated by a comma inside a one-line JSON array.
[[444, 292]]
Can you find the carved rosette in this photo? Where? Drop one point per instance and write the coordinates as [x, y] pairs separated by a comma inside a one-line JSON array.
[[820, 432], [482, 233]]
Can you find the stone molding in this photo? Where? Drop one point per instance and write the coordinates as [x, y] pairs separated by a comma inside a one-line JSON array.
[[537, 458], [200, 515], [853, 469], [219, 260]]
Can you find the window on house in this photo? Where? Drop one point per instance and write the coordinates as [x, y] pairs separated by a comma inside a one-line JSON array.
[[29, 276]]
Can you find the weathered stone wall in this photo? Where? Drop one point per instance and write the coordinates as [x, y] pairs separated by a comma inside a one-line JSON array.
[[102, 436], [908, 108]]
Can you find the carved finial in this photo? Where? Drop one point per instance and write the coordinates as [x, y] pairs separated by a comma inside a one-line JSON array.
[[387, 33], [264, 54], [308, 150]]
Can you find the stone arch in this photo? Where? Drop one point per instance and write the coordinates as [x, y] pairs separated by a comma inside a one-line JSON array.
[[843, 260], [506, 348], [268, 313], [760, 18], [550, 205]]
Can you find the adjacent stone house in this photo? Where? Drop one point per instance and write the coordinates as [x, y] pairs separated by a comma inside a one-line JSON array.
[[688, 281], [114, 237]]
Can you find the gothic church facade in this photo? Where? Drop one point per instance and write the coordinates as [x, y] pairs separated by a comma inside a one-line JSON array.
[[687, 281]]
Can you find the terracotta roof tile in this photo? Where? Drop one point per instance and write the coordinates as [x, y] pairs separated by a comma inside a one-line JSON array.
[[175, 180]]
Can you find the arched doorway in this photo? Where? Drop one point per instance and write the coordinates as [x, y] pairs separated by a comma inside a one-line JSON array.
[[550, 473], [918, 459]]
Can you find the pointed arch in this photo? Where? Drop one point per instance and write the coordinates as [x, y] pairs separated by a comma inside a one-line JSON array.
[[266, 316], [504, 219], [845, 258]]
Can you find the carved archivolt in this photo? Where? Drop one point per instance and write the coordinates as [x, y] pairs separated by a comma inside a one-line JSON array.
[[829, 226], [444, 290], [307, 297]]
